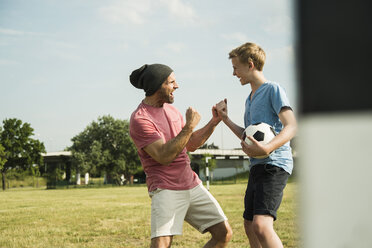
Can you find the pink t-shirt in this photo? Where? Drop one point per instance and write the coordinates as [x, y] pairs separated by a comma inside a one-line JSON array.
[[149, 124]]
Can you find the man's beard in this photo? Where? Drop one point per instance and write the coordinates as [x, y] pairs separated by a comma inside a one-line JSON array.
[[166, 97]]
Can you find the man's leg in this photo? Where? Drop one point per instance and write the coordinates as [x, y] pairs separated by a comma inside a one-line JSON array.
[[221, 235], [161, 242], [263, 227], [253, 240]]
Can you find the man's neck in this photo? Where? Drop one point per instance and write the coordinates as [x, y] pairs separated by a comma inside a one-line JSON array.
[[153, 101]]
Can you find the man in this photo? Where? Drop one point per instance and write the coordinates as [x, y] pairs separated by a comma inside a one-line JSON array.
[[162, 139]]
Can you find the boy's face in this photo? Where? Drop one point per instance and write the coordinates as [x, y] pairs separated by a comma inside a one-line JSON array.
[[241, 71]]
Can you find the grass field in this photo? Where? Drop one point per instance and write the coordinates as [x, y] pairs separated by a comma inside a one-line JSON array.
[[116, 217]]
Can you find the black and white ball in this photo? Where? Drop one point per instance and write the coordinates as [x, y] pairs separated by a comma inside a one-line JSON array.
[[262, 132]]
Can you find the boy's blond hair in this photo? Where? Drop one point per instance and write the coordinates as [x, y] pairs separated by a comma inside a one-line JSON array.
[[250, 52]]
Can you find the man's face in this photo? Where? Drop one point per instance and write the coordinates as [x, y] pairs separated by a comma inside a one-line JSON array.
[[241, 71], [167, 89]]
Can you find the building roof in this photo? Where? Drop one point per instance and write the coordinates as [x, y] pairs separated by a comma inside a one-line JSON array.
[[214, 152], [220, 152], [54, 154]]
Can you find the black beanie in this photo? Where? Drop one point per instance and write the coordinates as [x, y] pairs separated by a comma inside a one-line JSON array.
[[150, 77]]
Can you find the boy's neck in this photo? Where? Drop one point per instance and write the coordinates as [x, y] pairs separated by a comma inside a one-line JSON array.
[[257, 80]]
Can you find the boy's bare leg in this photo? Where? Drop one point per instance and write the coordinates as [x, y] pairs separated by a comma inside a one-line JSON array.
[[253, 240], [263, 227]]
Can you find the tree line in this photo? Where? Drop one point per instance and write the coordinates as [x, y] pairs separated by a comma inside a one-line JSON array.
[[104, 147]]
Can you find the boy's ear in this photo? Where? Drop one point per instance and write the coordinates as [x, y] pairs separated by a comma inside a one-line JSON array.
[[251, 65]]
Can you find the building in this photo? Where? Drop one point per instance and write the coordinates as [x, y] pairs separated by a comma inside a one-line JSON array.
[[228, 162]]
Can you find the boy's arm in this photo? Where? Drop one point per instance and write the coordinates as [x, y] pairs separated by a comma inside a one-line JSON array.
[[289, 122], [289, 130], [222, 112], [165, 153], [236, 129]]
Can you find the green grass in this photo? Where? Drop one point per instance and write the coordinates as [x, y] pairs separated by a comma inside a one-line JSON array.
[[116, 217], [28, 181]]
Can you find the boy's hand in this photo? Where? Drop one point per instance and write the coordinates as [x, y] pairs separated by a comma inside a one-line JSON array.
[[254, 150], [221, 108]]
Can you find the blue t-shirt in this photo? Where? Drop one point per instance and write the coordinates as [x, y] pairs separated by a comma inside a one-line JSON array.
[[265, 106]]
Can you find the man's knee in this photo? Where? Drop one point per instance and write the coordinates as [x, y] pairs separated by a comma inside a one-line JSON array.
[[221, 232]]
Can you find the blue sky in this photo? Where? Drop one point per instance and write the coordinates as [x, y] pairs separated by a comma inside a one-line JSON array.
[[65, 63]]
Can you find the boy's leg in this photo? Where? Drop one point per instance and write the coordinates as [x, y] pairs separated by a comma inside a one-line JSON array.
[[263, 197], [161, 242], [263, 227], [249, 210], [253, 240], [221, 235]]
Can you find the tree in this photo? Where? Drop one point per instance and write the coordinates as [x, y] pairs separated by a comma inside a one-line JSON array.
[[199, 162], [21, 151], [106, 147], [2, 156], [210, 146]]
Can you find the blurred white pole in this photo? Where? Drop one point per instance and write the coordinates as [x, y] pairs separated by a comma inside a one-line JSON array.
[[336, 190], [86, 178], [78, 178], [207, 171]]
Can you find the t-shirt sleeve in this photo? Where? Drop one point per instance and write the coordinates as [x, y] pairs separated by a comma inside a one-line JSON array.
[[279, 99], [143, 132]]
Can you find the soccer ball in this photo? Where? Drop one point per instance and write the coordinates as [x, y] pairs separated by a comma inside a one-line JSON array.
[[262, 132]]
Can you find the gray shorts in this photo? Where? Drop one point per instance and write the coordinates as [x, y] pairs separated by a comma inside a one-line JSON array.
[[169, 208]]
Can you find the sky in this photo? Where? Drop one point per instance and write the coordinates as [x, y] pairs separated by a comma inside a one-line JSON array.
[[65, 63]]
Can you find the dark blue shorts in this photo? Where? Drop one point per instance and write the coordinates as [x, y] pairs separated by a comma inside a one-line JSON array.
[[264, 191]]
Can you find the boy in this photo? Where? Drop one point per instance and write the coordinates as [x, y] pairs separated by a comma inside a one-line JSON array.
[[267, 103]]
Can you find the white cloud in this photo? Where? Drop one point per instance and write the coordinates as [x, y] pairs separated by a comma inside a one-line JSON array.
[[179, 10], [278, 25], [130, 11], [7, 62], [64, 55], [123, 46], [285, 54], [176, 46], [236, 37], [140, 11], [61, 44], [13, 32], [62, 49]]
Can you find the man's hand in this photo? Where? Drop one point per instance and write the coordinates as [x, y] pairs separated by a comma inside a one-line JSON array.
[[192, 118], [215, 117]]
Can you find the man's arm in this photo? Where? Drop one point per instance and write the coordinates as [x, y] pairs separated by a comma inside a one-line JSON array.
[[199, 137], [165, 153]]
